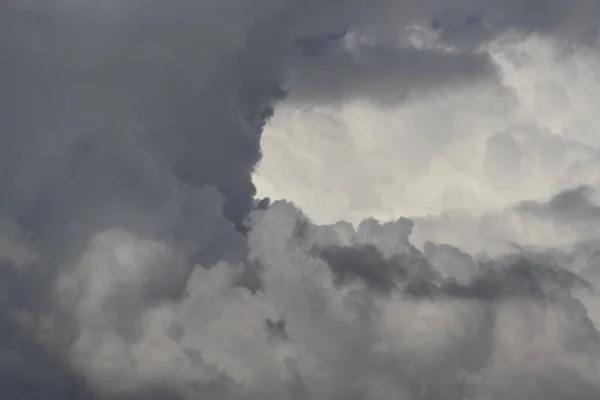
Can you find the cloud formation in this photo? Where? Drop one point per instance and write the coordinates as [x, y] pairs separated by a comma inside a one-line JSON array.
[[138, 262]]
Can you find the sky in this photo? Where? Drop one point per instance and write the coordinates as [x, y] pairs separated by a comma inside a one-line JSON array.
[[299, 199]]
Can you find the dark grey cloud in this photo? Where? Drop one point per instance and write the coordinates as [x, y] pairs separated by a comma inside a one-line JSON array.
[[118, 115], [383, 74], [469, 24], [574, 20], [573, 210], [526, 275], [328, 71], [368, 264], [569, 206]]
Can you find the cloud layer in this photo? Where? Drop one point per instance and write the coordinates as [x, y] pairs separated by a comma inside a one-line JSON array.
[[137, 262]]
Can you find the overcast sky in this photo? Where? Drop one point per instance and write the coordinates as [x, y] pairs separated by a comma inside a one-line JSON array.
[[433, 173]]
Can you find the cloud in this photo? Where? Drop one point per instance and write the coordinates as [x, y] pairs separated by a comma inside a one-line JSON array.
[[137, 262], [382, 74], [470, 23], [481, 147]]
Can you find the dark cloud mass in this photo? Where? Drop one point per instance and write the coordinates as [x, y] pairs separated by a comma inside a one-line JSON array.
[[137, 263]]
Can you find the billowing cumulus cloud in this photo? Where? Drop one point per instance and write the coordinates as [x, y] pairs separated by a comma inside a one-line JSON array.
[[437, 239]]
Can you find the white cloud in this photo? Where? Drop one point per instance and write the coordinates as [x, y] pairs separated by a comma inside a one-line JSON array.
[[435, 152]]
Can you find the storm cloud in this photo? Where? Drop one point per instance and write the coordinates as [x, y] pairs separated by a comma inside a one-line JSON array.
[[138, 261]]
